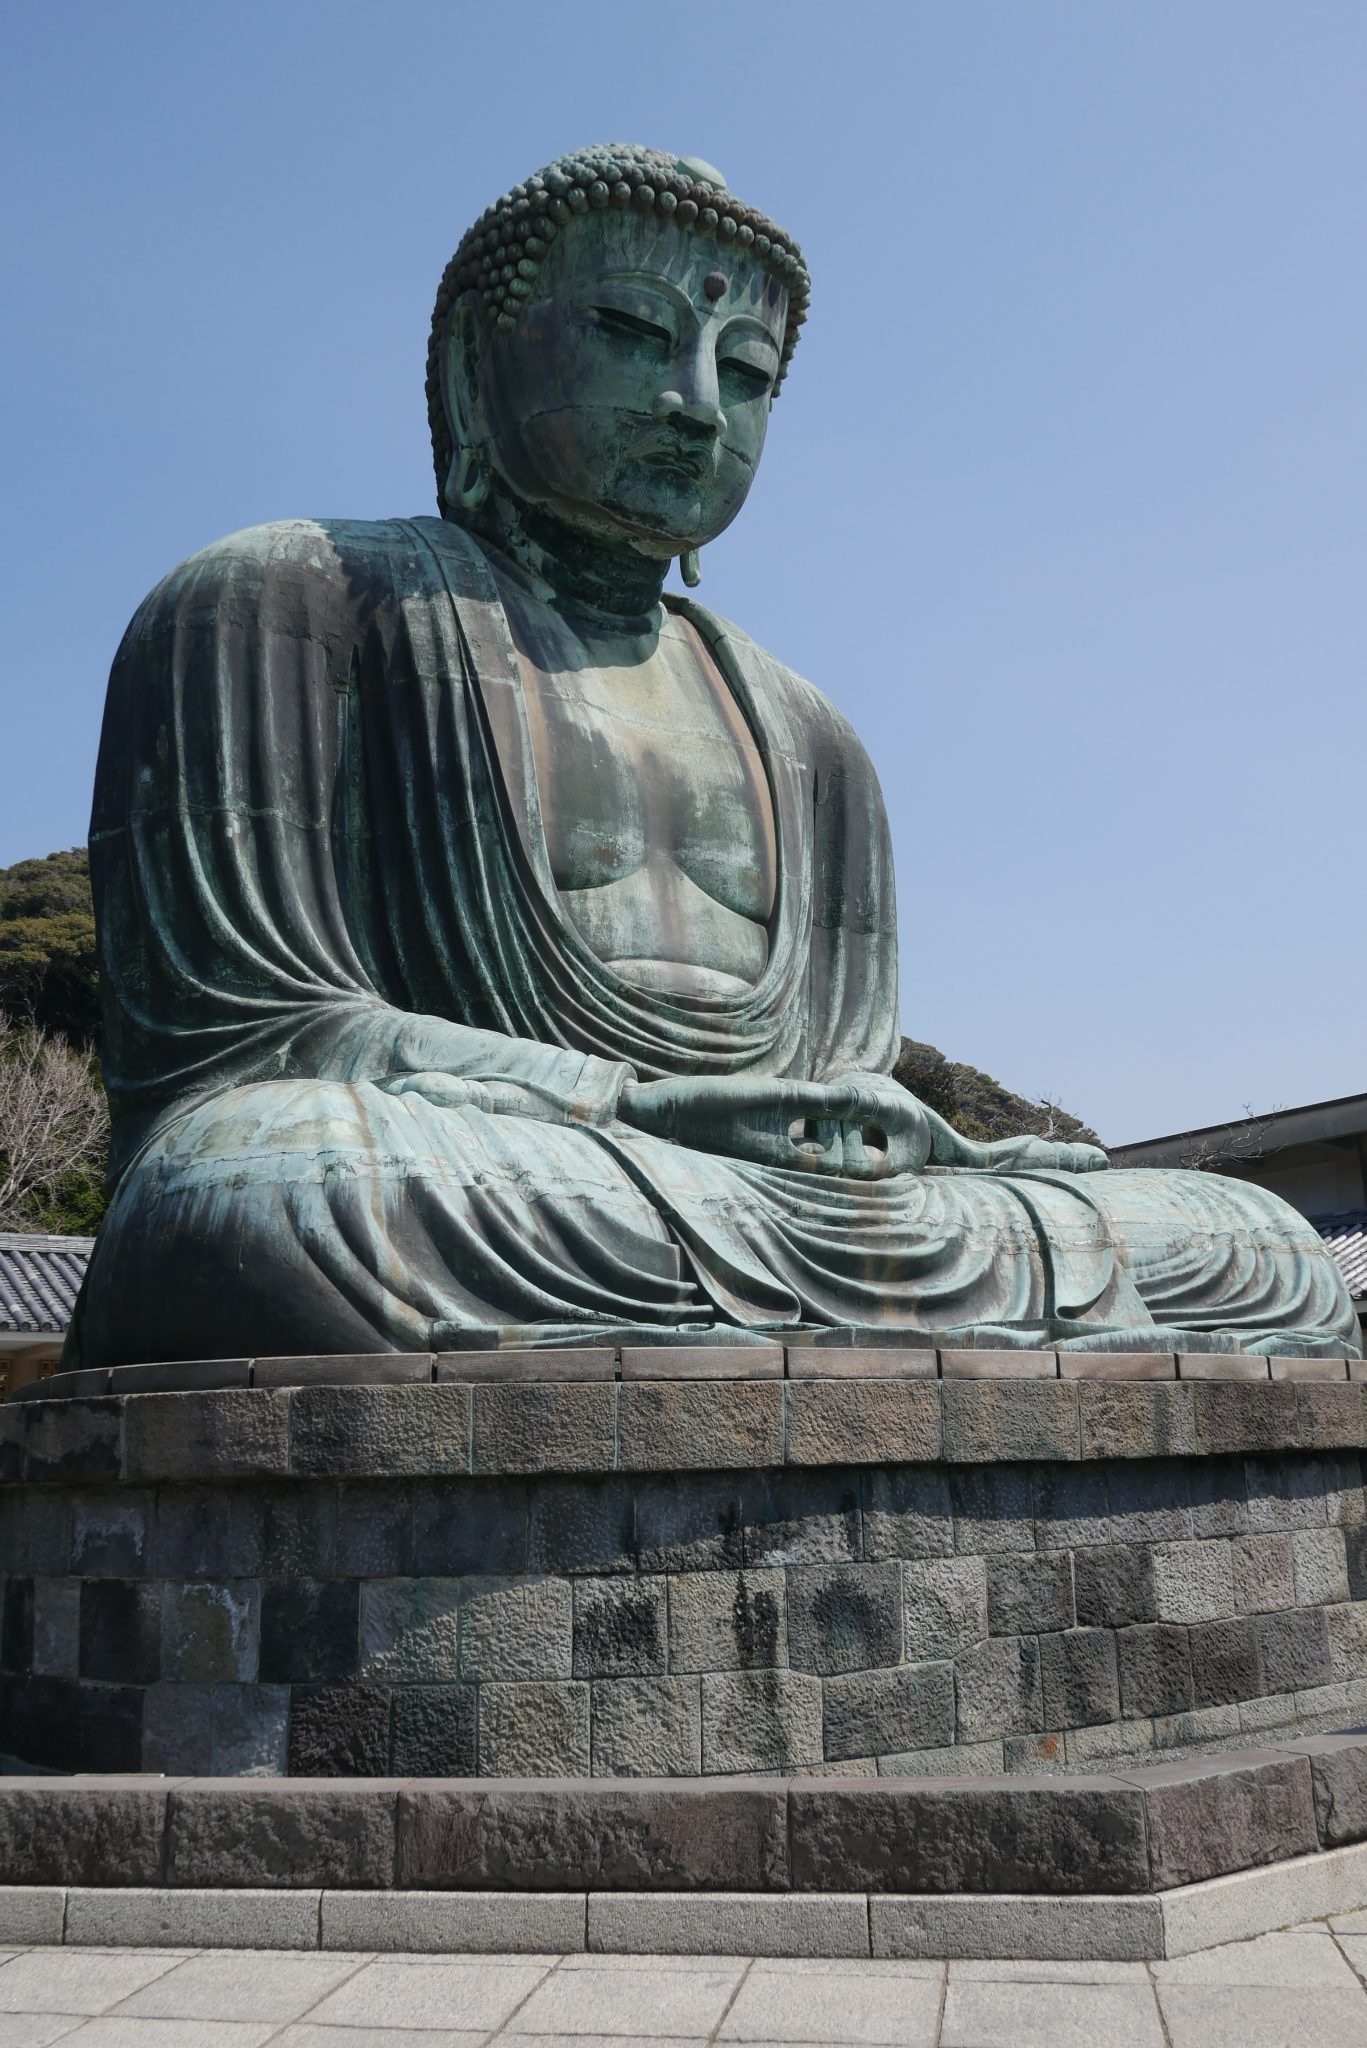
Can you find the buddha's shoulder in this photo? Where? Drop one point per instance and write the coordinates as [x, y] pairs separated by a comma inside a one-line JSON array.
[[311, 565], [805, 707]]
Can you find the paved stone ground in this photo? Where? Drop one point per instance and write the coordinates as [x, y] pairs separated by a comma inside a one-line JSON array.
[[1306, 1986]]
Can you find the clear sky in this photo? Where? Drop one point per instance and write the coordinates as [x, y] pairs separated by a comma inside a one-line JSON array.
[[1065, 501]]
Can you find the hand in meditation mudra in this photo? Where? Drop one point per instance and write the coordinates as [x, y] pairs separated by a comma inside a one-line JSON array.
[[496, 948]]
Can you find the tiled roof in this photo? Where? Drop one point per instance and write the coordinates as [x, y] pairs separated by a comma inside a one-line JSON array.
[[39, 1279], [1345, 1233]]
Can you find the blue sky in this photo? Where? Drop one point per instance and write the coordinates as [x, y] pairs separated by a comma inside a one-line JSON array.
[[1065, 501]]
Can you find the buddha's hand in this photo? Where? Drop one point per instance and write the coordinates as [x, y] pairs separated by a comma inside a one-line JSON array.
[[1041, 1155], [862, 1127]]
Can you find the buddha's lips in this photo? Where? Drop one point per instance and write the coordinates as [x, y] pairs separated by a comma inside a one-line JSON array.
[[694, 465]]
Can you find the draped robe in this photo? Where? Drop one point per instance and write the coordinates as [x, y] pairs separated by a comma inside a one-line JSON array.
[[317, 822]]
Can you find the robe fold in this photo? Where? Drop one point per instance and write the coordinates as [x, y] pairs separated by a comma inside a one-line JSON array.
[[319, 870]]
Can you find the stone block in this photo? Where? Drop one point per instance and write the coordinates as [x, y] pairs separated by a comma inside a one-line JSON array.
[[277, 1531], [1029, 1595], [1285, 1493], [956, 1760], [308, 1630], [702, 1361], [944, 1607], [534, 1731], [1263, 1573], [714, 1426], [370, 1432], [1250, 1902], [1149, 1502], [1044, 1929], [647, 1727], [582, 1525], [727, 1621], [373, 1538], [989, 1420], [1355, 1546], [1347, 1626], [1113, 1586], [844, 1617], [38, 1531], [630, 1838], [16, 1629], [702, 1924], [1320, 1564], [544, 1428], [907, 1512], [1079, 1678], [862, 1422], [1293, 1650], [1257, 1417], [1217, 1814], [1193, 1581], [120, 1631], [1338, 1772], [32, 1914], [802, 1516], [194, 1532], [210, 1630], [453, 1923], [1345, 1500], [999, 1365], [345, 1369], [464, 1526], [1117, 1366], [250, 1731], [65, 1832], [177, 1730], [186, 1375], [994, 1509], [42, 1723], [760, 1720], [1202, 1725], [160, 1918], [1224, 1663], [859, 1362], [1329, 1418], [621, 1627], [238, 1434], [997, 1688], [867, 1713], [295, 1835], [434, 1731], [1314, 1370], [690, 1523], [1155, 1670], [111, 1532], [1221, 1365], [1217, 1490], [56, 1647], [541, 1363], [339, 1731], [66, 1441], [109, 1718], [1072, 1507], [516, 1629], [1059, 1835], [1137, 1421], [408, 1631]]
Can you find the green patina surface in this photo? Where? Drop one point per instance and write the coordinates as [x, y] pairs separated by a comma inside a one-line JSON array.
[[491, 942]]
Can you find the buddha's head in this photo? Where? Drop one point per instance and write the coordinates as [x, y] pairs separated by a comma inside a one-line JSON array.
[[607, 342]]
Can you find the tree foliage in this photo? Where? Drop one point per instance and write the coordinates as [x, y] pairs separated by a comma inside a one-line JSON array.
[[54, 1133], [979, 1106], [47, 946]]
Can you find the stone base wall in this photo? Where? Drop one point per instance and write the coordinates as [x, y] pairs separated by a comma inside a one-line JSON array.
[[184, 1594]]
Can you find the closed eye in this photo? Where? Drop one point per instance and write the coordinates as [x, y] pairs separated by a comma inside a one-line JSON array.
[[618, 322], [754, 380]]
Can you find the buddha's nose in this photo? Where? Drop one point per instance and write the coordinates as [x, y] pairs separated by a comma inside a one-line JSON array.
[[698, 410]]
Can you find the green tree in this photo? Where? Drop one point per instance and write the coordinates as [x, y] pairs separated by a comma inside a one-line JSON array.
[[47, 946]]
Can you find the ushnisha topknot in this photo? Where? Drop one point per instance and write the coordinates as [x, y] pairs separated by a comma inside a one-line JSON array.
[[500, 254]]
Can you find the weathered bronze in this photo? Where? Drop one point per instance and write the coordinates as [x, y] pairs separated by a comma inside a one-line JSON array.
[[493, 946]]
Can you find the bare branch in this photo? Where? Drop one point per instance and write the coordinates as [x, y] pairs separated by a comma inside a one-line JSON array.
[[54, 1120]]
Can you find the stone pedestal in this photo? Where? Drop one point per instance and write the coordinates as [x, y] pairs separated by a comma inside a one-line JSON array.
[[834, 1561]]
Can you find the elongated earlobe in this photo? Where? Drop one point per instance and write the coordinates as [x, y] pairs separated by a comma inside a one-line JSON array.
[[690, 568], [467, 480]]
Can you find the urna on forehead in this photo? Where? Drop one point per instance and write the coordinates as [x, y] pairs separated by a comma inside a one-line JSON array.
[[501, 255]]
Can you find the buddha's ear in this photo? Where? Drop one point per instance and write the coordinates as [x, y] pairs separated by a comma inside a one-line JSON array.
[[462, 353]]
